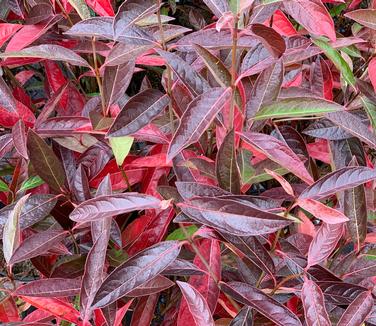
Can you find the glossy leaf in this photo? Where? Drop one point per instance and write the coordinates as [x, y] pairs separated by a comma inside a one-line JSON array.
[[235, 218], [279, 152], [110, 205], [126, 277], [138, 112], [314, 304], [197, 118], [365, 17], [261, 302], [358, 310], [196, 304], [52, 287]]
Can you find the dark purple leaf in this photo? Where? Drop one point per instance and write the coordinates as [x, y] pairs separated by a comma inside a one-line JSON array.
[[358, 310], [51, 287], [110, 205], [135, 271], [19, 139]]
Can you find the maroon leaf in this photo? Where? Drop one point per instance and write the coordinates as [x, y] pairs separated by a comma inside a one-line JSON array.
[[116, 80], [138, 112], [52, 287], [358, 310], [314, 304], [45, 162], [324, 243], [110, 205], [136, 271], [218, 7], [155, 285], [196, 304], [279, 152], [308, 13], [227, 170], [272, 40], [341, 179], [37, 244], [261, 302], [266, 88], [19, 139], [231, 217], [197, 118], [99, 27]]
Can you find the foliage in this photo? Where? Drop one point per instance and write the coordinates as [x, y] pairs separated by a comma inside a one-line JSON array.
[[188, 162]]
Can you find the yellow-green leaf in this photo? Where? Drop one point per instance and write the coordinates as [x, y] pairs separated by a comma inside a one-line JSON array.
[[121, 147]]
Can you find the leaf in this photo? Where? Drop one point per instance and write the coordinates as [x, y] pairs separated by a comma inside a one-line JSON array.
[[11, 232], [37, 244], [45, 162], [261, 302], [3, 186], [178, 234], [254, 251], [188, 76], [278, 152], [325, 129], [189, 190], [196, 304], [243, 318], [121, 147], [354, 126], [93, 274], [308, 14], [99, 27], [36, 208], [55, 307], [271, 39], [51, 287], [101, 7], [314, 305], [218, 7], [135, 271], [122, 53], [110, 205], [232, 217], [116, 80], [338, 61], [7, 101], [324, 243], [266, 88], [340, 293], [365, 17], [297, 107], [326, 214], [7, 30], [19, 139], [31, 183], [197, 118], [81, 8], [50, 52], [341, 179], [226, 167], [138, 112], [358, 310]]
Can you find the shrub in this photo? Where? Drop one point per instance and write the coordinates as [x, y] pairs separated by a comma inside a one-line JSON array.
[[188, 163]]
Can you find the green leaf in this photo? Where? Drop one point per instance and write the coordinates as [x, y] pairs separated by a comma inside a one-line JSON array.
[[244, 162], [234, 6], [265, 176], [121, 147], [297, 107], [81, 8], [3, 186], [179, 234], [31, 183], [337, 60]]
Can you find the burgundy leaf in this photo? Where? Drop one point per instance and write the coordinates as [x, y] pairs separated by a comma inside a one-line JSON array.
[[197, 118], [231, 217], [314, 305], [272, 40], [358, 310], [136, 271], [138, 112], [196, 304], [341, 179], [155, 285], [51, 287], [110, 205], [261, 302], [324, 243], [37, 244], [19, 139], [279, 152]]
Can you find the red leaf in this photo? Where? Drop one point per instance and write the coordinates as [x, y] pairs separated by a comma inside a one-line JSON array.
[[7, 30], [101, 7]]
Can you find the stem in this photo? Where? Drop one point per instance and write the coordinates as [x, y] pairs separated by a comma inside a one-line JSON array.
[[168, 69], [206, 264], [125, 177], [64, 12], [98, 77], [233, 71]]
